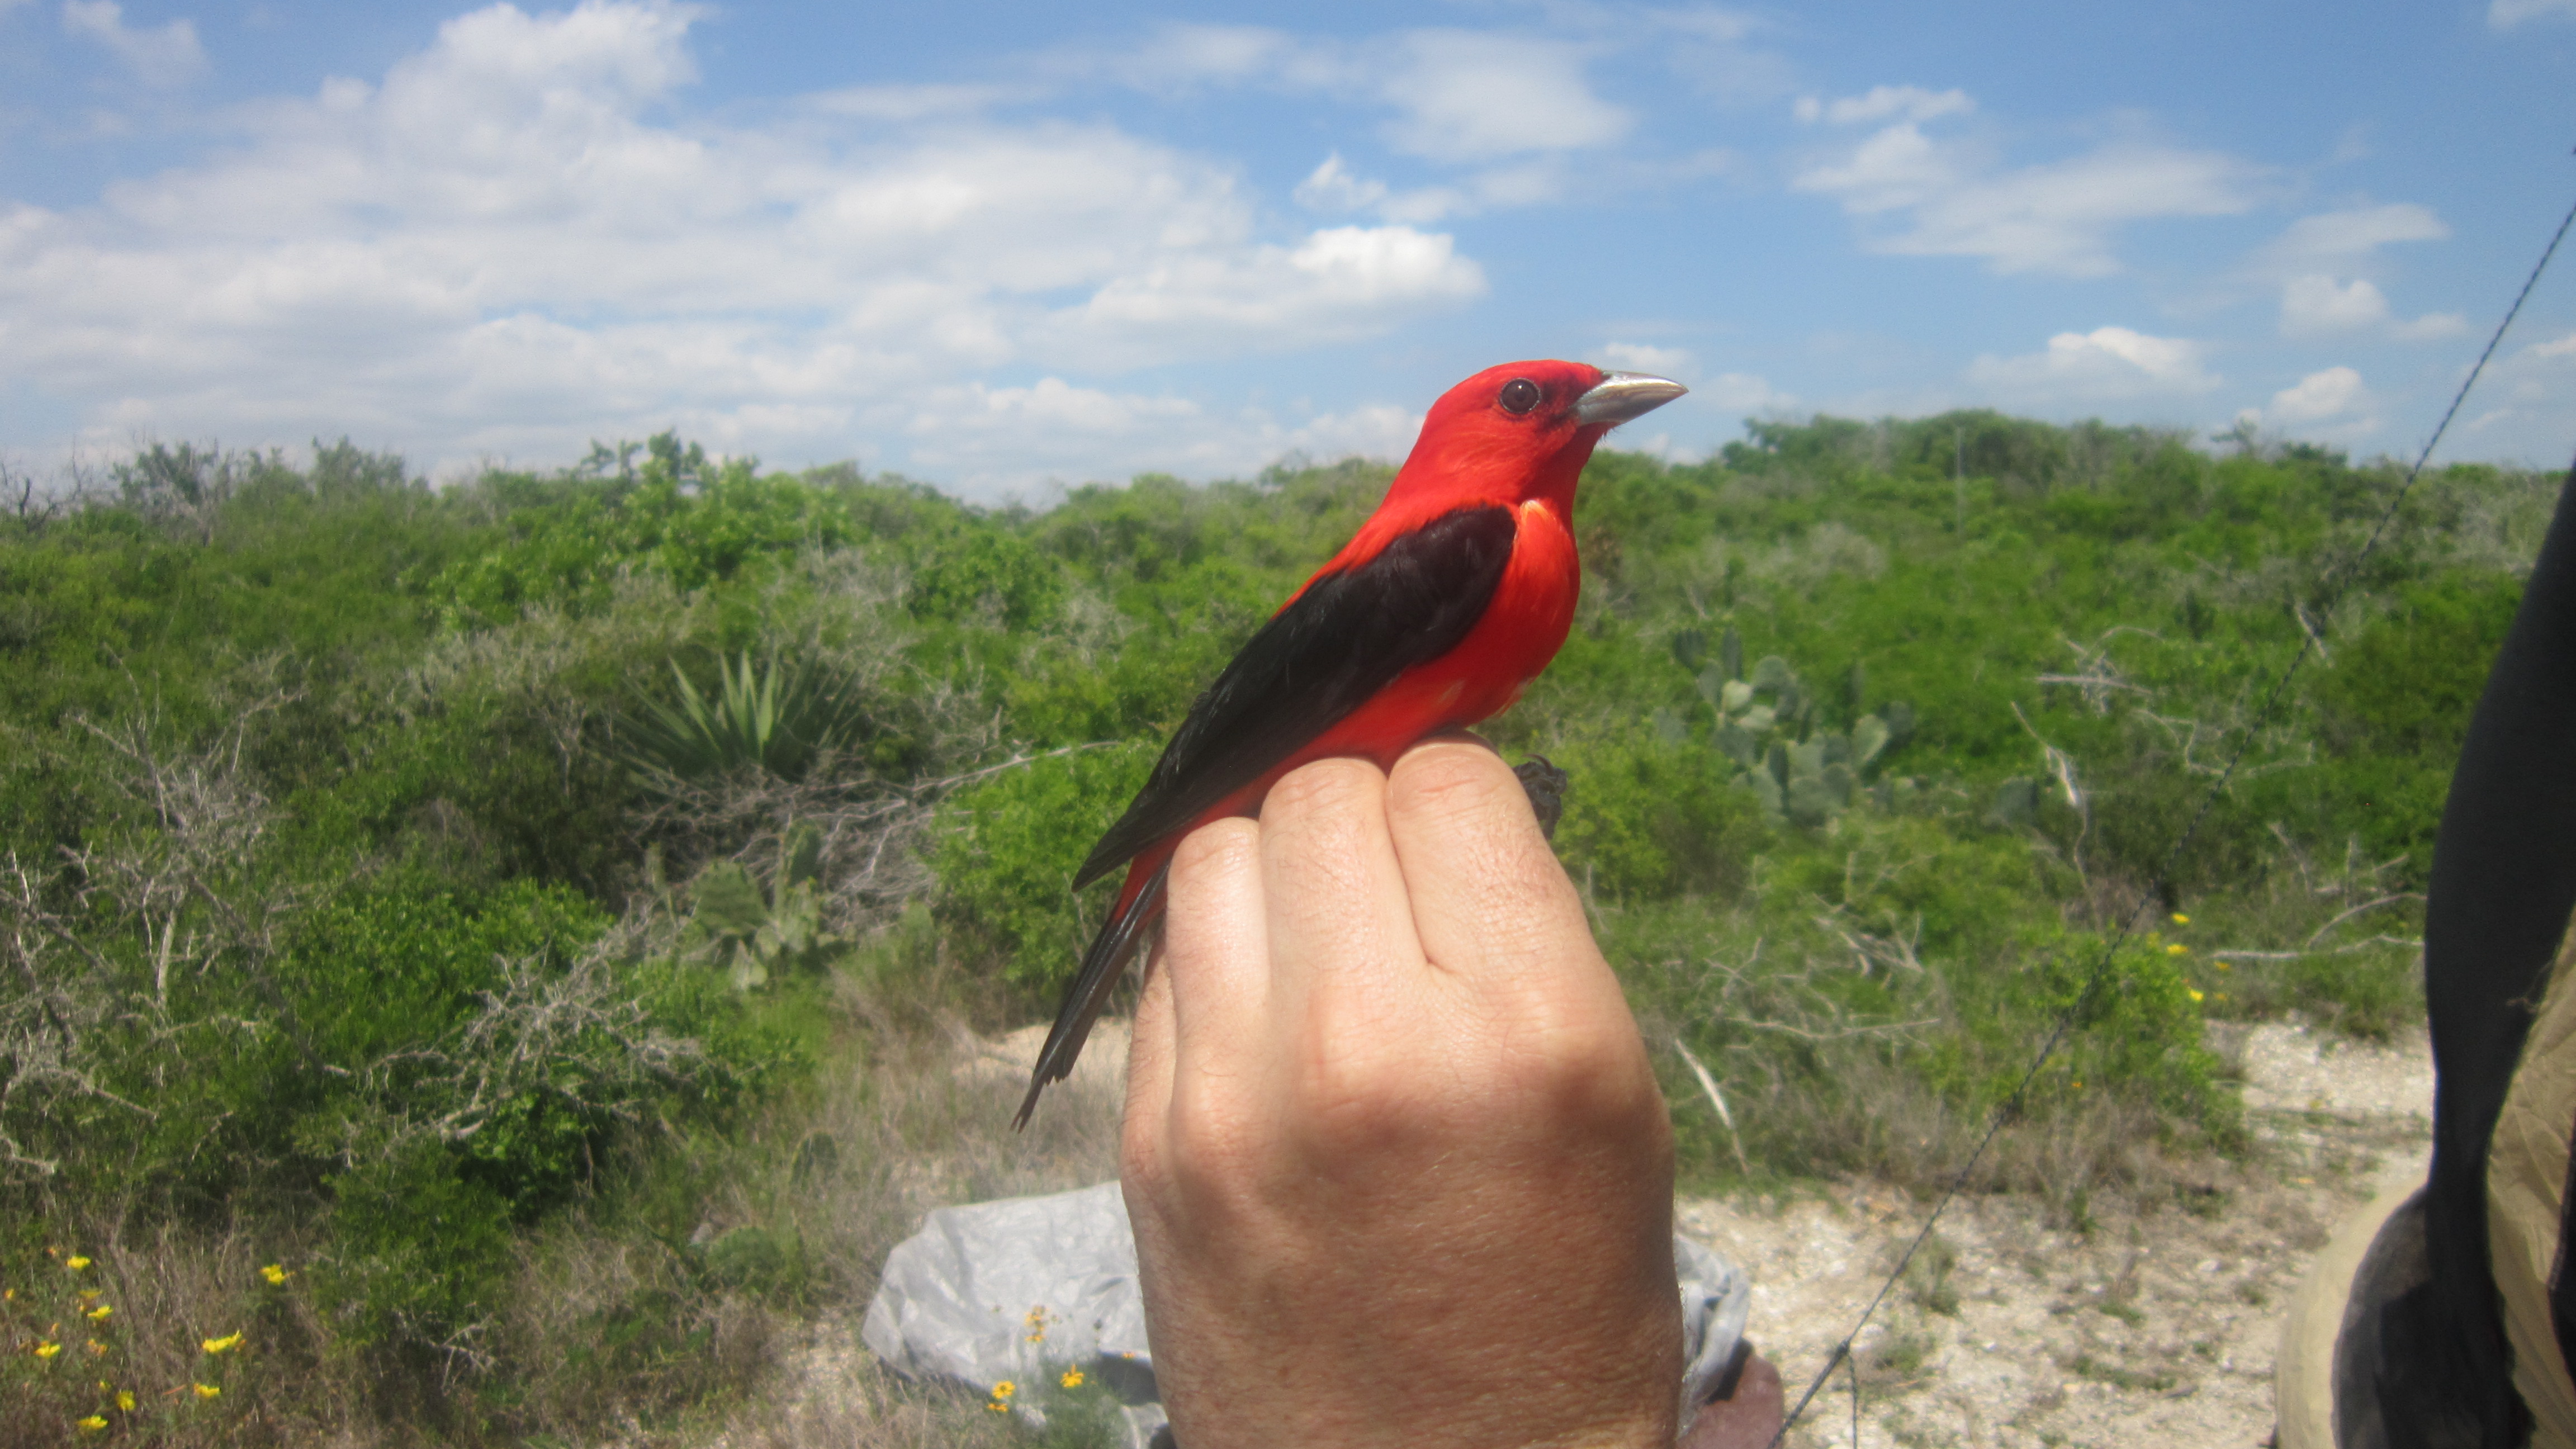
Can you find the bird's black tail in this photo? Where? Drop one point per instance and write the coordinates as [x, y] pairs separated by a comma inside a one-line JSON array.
[[1102, 965]]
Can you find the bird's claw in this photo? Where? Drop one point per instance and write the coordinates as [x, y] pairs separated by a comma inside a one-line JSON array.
[[1546, 785]]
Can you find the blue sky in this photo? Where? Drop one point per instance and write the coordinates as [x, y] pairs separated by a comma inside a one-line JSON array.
[[1004, 247]]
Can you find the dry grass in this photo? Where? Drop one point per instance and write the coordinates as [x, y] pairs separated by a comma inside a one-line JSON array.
[[821, 1188], [616, 1328], [168, 1292]]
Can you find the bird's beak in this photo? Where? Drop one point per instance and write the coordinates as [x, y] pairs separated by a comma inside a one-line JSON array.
[[1620, 396]]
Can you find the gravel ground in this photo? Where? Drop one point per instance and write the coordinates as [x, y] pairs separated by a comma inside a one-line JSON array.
[[2148, 1328]]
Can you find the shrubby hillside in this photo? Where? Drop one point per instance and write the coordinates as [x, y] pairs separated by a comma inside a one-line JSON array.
[[501, 949]]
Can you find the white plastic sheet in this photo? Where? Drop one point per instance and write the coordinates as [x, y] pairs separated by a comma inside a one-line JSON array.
[[1020, 1290]]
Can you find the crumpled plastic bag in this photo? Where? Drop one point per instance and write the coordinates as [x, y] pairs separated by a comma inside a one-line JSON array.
[[1019, 1291]]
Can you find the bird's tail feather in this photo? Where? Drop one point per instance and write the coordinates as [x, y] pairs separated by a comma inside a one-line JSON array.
[[1102, 965]]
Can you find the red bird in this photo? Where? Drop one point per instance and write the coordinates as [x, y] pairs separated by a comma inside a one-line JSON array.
[[1446, 604]]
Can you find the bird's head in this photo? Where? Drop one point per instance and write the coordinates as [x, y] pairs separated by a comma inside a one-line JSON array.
[[1523, 430]]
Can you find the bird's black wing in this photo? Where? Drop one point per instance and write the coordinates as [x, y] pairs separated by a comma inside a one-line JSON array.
[[1342, 640]]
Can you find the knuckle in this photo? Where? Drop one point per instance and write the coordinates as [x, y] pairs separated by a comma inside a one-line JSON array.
[[1213, 1164], [1323, 787], [1217, 849], [1452, 781], [1592, 1071], [1352, 1099]]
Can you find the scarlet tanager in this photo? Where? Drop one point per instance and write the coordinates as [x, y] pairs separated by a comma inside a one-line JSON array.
[[1438, 612]]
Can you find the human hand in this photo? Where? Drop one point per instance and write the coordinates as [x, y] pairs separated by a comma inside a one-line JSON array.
[[1397, 1166]]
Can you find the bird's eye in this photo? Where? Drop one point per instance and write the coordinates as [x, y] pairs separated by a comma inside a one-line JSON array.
[[1519, 396]]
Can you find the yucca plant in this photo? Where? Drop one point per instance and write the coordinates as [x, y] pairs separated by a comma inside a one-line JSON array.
[[773, 715]]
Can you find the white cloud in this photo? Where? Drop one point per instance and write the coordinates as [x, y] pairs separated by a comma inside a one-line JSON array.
[[1910, 103], [1341, 282], [505, 249], [1721, 27], [1016, 435], [1744, 392], [1474, 96], [2505, 14], [2345, 241], [165, 55], [2534, 386], [2056, 217], [2335, 392], [1053, 403], [1188, 55], [2315, 305], [1332, 187], [2108, 364], [1740, 393], [2326, 264], [1672, 362], [908, 102], [1709, 48], [2432, 325], [1511, 107], [1459, 96]]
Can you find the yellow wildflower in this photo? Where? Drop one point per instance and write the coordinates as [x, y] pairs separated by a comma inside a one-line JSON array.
[[998, 1407], [2195, 993], [2177, 949], [209, 1391], [2218, 965], [92, 1424], [1072, 1378], [274, 1274], [75, 1262], [2180, 919], [100, 1313], [1005, 1389], [90, 1295], [48, 1349], [125, 1400], [225, 1344], [97, 1348]]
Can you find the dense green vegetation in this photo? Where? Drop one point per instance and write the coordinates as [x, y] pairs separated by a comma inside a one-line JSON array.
[[534, 915]]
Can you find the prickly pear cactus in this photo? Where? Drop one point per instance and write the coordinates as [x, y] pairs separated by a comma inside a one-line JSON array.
[[747, 935], [1803, 772]]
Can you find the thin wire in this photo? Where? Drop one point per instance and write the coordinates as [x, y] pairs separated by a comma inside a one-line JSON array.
[[1851, 1371], [2328, 596]]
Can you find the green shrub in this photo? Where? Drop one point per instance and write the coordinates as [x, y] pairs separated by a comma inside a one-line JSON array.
[[1010, 846], [1646, 818], [986, 569], [2136, 1034], [418, 1253]]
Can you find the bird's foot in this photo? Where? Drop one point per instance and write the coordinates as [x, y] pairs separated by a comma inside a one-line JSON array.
[[1546, 785]]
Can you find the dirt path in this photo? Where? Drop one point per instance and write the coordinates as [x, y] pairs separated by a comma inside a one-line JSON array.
[[2155, 1328]]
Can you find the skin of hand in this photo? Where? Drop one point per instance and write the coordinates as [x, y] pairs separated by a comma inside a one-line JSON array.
[[1399, 1171]]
